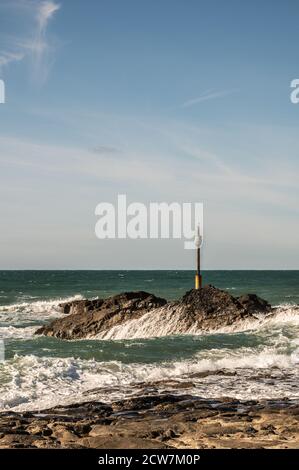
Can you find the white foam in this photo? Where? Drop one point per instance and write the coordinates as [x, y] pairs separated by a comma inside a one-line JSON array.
[[285, 314], [32, 383], [11, 332], [268, 370], [164, 322], [29, 311]]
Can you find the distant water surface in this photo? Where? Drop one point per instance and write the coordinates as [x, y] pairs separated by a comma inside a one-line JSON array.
[[21, 286]]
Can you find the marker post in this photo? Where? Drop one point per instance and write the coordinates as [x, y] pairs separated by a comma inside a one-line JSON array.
[[198, 276]]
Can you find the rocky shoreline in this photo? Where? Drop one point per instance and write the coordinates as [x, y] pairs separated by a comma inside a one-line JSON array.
[[156, 422], [155, 419]]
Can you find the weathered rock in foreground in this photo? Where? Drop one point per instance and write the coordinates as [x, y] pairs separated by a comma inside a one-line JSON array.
[[156, 422], [205, 309]]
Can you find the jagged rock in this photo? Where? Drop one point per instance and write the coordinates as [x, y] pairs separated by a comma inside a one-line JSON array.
[[211, 308], [254, 304], [212, 301], [89, 317], [204, 309], [81, 306]]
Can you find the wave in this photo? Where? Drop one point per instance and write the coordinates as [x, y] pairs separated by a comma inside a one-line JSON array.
[[36, 383], [164, 322], [34, 310], [283, 315], [11, 332]]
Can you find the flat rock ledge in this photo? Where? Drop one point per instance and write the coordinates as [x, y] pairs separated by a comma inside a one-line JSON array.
[[156, 422], [207, 308]]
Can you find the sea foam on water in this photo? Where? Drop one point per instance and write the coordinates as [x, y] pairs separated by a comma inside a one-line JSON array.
[[257, 359]]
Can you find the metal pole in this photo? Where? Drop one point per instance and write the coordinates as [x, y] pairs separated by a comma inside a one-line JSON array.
[[198, 277]]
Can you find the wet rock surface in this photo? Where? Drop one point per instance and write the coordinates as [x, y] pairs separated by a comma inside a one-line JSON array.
[[89, 317], [208, 308], [211, 308], [158, 422]]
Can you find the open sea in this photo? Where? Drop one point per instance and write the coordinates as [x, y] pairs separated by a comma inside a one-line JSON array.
[[259, 360]]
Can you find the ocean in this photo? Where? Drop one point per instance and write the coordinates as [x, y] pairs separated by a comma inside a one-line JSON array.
[[258, 360]]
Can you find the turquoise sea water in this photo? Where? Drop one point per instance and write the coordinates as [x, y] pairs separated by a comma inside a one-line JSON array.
[[21, 286], [256, 360]]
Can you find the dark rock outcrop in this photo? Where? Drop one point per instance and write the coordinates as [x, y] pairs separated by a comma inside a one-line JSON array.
[[89, 317], [254, 304], [211, 308], [205, 309], [81, 306], [212, 301]]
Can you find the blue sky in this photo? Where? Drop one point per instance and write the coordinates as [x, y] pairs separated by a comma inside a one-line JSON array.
[[164, 101]]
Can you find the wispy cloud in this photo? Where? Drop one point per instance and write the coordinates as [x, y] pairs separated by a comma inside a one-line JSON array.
[[208, 95], [6, 57], [105, 150], [33, 44], [40, 48], [237, 192], [45, 12]]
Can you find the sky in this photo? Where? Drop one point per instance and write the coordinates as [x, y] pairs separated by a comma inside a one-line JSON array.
[[159, 100]]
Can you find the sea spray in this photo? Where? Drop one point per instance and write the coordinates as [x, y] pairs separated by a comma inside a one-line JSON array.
[[31, 383], [164, 322], [253, 360], [33, 311]]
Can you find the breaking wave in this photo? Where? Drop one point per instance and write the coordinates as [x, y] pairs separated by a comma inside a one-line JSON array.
[[249, 360], [36, 383], [165, 322], [11, 332], [14, 314]]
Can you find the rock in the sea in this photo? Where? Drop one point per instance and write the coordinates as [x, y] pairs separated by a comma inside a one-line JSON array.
[[212, 308], [81, 306], [204, 309], [89, 317], [254, 304]]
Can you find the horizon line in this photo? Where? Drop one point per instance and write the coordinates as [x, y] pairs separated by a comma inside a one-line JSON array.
[[151, 269]]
